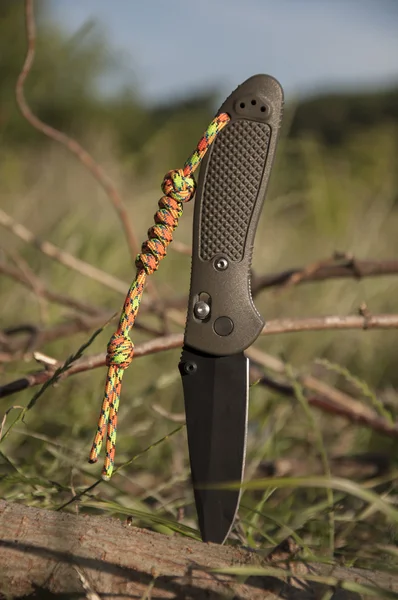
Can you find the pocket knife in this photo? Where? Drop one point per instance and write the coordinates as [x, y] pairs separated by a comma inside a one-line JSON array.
[[222, 320]]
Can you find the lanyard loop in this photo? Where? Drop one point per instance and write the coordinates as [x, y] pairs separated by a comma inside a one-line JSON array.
[[178, 186]]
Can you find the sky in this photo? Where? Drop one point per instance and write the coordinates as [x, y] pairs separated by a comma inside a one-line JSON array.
[[173, 48]]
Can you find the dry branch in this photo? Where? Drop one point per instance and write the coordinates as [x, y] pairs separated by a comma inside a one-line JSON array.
[[46, 552], [72, 145], [323, 396], [362, 321], [90, 362], [181, 248], [61, 256], [332, 401], [34, 281], [350, 269], [168, 342], [16, 347], [50, 295]]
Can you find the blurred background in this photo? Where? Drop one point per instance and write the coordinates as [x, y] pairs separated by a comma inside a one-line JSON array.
[[136, 83], [173, 49]]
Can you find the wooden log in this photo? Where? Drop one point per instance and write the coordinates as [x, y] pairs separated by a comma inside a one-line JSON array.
[[47, 554]]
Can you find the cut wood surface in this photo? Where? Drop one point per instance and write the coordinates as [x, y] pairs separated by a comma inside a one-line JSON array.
[[47, 554]]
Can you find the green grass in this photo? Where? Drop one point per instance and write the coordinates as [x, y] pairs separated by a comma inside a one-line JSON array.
[[321, 200]]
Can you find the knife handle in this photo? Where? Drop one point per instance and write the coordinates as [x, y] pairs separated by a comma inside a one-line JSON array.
[[234, 175]]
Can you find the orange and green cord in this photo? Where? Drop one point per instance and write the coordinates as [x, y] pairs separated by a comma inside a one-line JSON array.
[[179, 187]]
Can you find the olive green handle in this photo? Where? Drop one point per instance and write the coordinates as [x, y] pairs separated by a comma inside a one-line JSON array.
[[234, 175]]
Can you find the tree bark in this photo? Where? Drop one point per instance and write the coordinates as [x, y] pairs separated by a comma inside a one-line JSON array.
[[46, 554]]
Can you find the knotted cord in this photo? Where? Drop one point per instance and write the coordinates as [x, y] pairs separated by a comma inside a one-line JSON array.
[[178, 186]]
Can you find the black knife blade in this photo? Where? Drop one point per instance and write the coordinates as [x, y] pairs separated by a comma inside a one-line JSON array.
[[222, 320]]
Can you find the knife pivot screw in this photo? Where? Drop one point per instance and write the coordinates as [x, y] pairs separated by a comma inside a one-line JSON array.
[[221, 263], [190, 368], [201, 310]]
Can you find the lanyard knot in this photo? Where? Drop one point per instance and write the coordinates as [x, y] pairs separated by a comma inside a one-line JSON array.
[[178, 185], [120, 351]]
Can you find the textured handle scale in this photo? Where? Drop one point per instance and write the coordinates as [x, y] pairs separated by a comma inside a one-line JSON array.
[[231, 189]]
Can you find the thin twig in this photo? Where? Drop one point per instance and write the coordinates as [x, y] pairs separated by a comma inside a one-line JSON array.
[[35, 282], [361, 417], [329, 400], [181, 248], [69, 143], [25, 344], [171, 341], [55, 297], [91, 362], [3, 421], [308, 271], [354, 411], [331, 322], [322, 395], [15, 348], [356, 269], [355, 466], [175, 417], [326, 398], [48, 362], [61, 256], [92, 317]]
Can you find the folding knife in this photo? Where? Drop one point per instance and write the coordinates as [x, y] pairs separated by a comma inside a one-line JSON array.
[[222, 320]]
